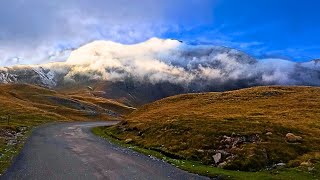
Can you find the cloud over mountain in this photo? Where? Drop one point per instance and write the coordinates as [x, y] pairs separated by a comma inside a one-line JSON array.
[[194, 67], [158, 60]]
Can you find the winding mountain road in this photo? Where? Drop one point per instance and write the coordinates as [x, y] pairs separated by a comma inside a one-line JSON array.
[[70, 151]]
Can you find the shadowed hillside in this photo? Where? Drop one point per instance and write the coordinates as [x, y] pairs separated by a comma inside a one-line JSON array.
[[249, 129]]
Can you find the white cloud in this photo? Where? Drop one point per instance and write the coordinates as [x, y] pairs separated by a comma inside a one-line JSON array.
[[44, 28], [158, 60]]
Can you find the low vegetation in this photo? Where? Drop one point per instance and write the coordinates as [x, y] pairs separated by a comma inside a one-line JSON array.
[[254, 129], [210, 171], [23, 107]]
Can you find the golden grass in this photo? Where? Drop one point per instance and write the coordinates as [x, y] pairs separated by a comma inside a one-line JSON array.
[[193, 126], [27, 103], [29, 106]]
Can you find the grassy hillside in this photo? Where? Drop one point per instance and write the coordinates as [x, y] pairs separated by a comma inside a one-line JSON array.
[[128, 92], [27, 103], [29, 106], [250, 129]]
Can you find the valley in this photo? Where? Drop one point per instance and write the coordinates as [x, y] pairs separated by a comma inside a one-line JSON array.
[[209, 110], [159, 90]]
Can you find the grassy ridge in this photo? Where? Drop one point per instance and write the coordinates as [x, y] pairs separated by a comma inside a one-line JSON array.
[[244, 129], [30, 103]]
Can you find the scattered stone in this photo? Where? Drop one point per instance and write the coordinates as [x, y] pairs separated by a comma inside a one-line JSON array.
[[127, 141], [310, 168], [200, 150], [12, 142], [235, 141], [217, 158], [291, 138], [9, 134], [140, 133], [223, 152], [230, 158], [22, 128], [227, 139], [280, 164], [269, 133], [19, 134], [223, 164], [307, 164]]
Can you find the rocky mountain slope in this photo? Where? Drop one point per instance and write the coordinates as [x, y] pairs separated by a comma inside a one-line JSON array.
[[159, 68]]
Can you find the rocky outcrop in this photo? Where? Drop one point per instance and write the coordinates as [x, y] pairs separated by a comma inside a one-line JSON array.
[[32, 75], [12, 136], [228, 145]]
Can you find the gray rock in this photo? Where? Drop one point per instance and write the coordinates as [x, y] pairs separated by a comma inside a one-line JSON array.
[[19, 134], [279, 165], [200, 150], [217, 158], [12, 142]]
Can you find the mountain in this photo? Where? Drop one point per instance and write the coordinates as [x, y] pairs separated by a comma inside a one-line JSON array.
[[314, 64], [28, 74], [141, 73], [249, 129]]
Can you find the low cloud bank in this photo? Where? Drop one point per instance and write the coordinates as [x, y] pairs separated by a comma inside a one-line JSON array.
[[196, 67], [158, 60]]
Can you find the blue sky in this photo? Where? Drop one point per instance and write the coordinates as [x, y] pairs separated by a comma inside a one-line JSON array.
[[265, 28], [32, 30]]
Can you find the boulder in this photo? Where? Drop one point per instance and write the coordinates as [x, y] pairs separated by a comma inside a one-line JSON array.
[[217, 158], [291, 138]]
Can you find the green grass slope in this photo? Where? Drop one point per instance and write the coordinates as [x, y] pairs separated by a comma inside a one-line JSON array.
[[246, 130]]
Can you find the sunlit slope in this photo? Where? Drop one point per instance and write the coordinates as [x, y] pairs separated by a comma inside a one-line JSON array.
[[241, 130], [30, 103]]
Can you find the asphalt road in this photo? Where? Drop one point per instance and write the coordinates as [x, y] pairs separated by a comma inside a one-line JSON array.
[[70, 151]]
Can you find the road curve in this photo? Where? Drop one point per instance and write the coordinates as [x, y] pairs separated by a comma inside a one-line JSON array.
[[70, 151]]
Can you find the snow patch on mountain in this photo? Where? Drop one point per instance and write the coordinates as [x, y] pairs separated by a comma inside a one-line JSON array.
[[47, 76]]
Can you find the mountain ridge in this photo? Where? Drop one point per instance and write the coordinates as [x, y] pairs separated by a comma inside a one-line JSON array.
[[167, 63]]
